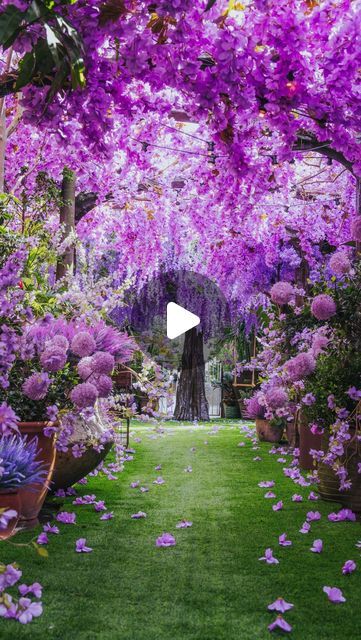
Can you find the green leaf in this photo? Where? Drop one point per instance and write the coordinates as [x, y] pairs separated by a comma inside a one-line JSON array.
[[27, 68], [210, 4], [10, 21]]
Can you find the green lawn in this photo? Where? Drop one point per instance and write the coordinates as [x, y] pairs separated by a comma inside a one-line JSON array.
[[211, 586]]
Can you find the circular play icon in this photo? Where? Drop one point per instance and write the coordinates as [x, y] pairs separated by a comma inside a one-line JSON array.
[[173, 309]]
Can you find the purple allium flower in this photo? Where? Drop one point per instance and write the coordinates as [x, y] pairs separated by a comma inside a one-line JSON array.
[[281, 293], [348, 567], [59, 341], [165, 540], [282, 540], [356, 229], [340, 263], [334, 594], [323, 307], [34, 588], [36, 386], [66, 517], [53, 359], [268, 557], [300, 366], [138, 515], [83, 344], [280, 623], [84, 395], [276, 397], [8, 420], [317, 546], [254, 408], [81, 547], [84, 368], [280, 605], [102, 362], [42, 538], [103, 383], [184, 524]]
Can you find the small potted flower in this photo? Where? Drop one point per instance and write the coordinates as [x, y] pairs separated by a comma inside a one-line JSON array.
[[20, 471], [268, 430]]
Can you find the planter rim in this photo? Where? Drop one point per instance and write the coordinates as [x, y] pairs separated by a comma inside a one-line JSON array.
[[38, 423], [9, 491]]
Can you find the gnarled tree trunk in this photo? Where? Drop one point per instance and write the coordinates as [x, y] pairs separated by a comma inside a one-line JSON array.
[[67, 218], [191, 401]]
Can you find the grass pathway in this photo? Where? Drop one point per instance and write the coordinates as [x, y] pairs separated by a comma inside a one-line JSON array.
[[210, 586]]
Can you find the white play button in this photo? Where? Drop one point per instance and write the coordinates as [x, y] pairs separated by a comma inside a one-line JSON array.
[[179, 320]]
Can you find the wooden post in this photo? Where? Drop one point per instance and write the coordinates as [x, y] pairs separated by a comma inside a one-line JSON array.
[[67, 218]]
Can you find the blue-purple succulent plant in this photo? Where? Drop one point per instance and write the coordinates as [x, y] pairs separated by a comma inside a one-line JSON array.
[[18, 464]]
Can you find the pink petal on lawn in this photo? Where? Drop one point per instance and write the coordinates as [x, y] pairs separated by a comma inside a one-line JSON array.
[[280, 605], [348, 567], [266, 484], [134, 485], [268, 557], [137, 516], [282, 540], [313, 516], [317, 546], [334, 594], [296, 498], [165, 540], [278, 506], [81, 547], [107, 516], [280, 623], [306, 527], [270, 494], [66, 517], [184, 524]]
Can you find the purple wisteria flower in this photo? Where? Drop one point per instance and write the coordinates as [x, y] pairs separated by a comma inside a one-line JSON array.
[[42, 538], [184, 524], [81, 546], [317, 546], [280, 623], [280, 605], [334, 594], [107, 516], [36, 386], [323, 307], [282, 540], [348, 567], [83, 344], [138, 515], [268, 557], [165, 540], [66, 517], [35, 588]]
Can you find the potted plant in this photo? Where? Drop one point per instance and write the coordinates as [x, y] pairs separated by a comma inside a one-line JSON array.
[[268, 430], [20, 472]]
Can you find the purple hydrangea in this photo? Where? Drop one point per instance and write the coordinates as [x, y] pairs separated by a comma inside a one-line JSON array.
[[36, 386], [300, 366], [8, 420], [281, 293], [323, 307], [84, 395], [103, 383], [276, 397], [53, 358], [83, 344], [356, 229], [340, 263], [102, 362]]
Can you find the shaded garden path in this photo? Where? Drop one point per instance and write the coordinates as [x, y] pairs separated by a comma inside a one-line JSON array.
[[210, 586]]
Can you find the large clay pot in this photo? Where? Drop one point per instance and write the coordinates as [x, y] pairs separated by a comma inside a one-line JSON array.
[[329, 485], [308, 441], [69, 470], [10, 499], [267, 432], [32, 496]]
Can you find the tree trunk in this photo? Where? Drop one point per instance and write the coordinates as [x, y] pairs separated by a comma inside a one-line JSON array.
[[191, 401], [358, 211], [67, 218]]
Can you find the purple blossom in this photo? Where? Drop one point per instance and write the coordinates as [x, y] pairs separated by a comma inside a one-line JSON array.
[[309, 399], [100, 505], [134, 485], [184, 524], [323, 307], [83, 344], [102, 362], [266, 484], [107, 516], [313, 516], [297, 498], [42, 538], [138, 515], [51, 528], [334, 594], [276, 397], [35, 589], [165, 540], [280, 623], [84, 395], [103, 384], [159, 480], [281, 293], [53, 359], [300, 366], [36, 386], [144, 489], [6, 517], [8, 420], [305, 527], [356, 229], [81, 546], [312, 496], [342, 515], [317, 546], [278, 506], [268, 557], [280, 605], [9, 577], [52, 412], [282, 540], [66, 517], [270, 495], [348, 567], [340, 263]]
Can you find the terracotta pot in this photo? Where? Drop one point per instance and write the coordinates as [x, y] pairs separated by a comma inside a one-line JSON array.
[[69, 470], [10, 499], [32, 496], [292, 433], [308, 440], [267, 432], [123, 379], [329, 485]]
